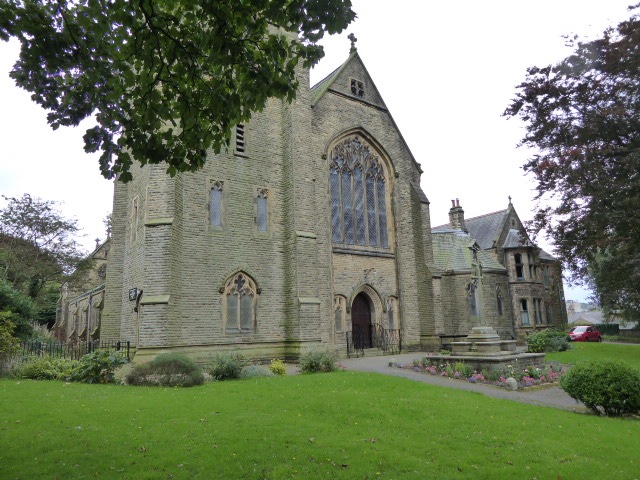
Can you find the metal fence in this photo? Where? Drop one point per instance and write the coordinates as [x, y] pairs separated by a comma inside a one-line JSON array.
[[359, 339], [73, 350]]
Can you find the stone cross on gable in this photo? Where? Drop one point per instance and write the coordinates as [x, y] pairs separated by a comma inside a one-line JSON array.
[[353, 39]]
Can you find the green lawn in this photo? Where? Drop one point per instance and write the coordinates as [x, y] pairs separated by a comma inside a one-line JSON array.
[[600, 351], [344, 425]]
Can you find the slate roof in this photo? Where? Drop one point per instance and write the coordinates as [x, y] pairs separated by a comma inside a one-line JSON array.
[[546, 256], [486, 228], [319, 89], [513, 240], [452, 252]]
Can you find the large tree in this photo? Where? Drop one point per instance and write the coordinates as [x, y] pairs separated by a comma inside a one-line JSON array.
[[582, 117], [37, 244], [165, 79]]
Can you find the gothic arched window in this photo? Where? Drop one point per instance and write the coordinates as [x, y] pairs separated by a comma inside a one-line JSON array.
[[240, 297], [358, 195]]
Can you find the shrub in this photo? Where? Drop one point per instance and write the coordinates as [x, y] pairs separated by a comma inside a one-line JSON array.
[[277, 367], [45, 368], [547, 341], [608, 328], [606, 387], [168, 370], [315, 362], [98, 367], [225, 366], [256, 371], [9, 345], [464, 369]]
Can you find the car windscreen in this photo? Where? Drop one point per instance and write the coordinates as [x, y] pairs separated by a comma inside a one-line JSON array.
[[579, 329]]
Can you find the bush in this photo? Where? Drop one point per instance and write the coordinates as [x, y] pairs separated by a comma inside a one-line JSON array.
[[277, 367], [547, 341], [46, 368], [606, 387], [464, 369], [256, 371], [225, 366], [315, 362], [9, 345], [167, 370], [98, 367], [608, 328]]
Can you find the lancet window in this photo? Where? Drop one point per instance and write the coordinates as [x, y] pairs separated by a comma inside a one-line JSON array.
[[215, 204], [262, 218], [358, 195]]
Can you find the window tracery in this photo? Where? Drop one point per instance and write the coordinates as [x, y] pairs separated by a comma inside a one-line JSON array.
[[240, 296], [358, 195]]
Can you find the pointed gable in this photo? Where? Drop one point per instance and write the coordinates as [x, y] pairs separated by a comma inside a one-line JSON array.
[[351, 80], [486, 229]]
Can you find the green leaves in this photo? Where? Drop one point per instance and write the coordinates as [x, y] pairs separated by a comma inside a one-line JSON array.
[[582, 116], [166, 80]]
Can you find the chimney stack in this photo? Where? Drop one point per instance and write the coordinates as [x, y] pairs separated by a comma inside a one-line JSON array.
[[456, 216]]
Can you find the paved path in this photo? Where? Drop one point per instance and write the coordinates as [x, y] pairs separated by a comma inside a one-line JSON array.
[[553, 397]]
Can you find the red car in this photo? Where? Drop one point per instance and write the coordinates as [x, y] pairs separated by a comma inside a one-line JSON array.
[[585, 333]]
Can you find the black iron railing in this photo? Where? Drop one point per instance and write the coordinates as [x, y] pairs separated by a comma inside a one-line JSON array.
[[71, 350], [375, 336]]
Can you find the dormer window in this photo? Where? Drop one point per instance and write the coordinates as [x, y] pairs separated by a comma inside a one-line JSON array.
[[357, 88]]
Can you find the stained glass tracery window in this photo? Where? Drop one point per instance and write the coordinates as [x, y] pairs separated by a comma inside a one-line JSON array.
[[240, 295], [358, 195]]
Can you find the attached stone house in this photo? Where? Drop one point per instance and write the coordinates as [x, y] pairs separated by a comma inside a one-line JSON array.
[[311, 232], [531, 289]]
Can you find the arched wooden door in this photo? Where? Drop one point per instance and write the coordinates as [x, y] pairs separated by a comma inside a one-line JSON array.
[[361, 321]]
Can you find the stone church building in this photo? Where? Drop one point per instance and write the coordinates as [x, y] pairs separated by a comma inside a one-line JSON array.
[[312, 232]]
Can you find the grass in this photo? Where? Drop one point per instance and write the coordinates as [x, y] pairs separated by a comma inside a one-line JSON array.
[[599, 351], [343, 425]]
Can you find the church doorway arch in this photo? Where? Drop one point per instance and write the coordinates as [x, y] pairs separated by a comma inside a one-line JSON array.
[[361, 317]]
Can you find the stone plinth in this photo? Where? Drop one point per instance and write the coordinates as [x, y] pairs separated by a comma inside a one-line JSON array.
[[487, 347], [483, 334], [460, 347], [482, 348], [488, 360]]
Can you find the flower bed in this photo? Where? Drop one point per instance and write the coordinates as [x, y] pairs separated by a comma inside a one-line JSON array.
[[545, 374]]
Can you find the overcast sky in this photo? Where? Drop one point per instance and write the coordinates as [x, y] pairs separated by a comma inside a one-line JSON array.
[[446, 71]]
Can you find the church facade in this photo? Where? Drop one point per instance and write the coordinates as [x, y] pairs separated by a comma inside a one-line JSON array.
[[311, 232]]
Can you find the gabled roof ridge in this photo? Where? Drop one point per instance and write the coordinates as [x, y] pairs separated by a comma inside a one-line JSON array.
[[320, 88], [473, 218], [326, 78], [486, 215]]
